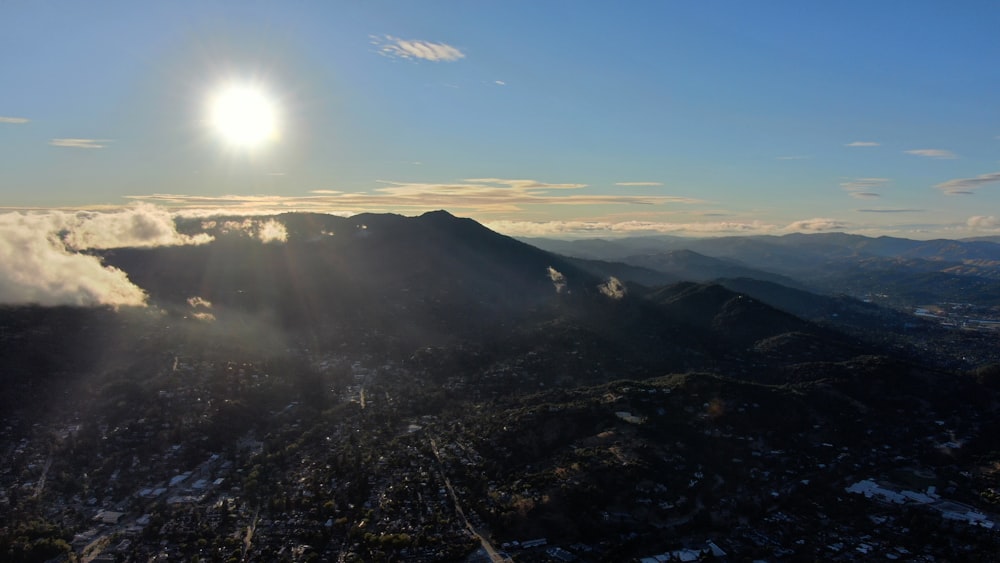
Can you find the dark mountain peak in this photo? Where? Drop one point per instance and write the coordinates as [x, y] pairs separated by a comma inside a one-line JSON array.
[[436, 267], [311, 226], [437, 215]]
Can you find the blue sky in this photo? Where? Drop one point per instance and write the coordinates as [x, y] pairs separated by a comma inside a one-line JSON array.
[[544, 118]]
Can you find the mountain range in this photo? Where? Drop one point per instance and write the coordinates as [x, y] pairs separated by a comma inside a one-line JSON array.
[[900, 272]]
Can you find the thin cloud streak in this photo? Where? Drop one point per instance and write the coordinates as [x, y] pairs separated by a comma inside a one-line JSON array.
[[964, 186], [933, 153], [864, 188], [482, 195], [628, 184], [80, 143], [890, 210], [15, 120], [623, 228], [863, 144]]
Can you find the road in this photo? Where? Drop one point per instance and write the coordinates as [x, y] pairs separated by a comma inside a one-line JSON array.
[[41, 480], [248, 539], [495, 557]]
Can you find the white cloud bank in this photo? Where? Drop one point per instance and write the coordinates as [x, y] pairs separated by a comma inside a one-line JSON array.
[[39, 269], [138, 226], [44, 263]]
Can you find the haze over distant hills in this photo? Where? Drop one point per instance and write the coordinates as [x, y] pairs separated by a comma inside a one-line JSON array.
[[903, 272]]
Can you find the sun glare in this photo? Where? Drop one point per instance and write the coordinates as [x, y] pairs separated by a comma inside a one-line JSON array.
[[244, 116]]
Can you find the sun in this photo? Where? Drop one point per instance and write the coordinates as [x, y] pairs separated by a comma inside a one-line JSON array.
[[244, 116]]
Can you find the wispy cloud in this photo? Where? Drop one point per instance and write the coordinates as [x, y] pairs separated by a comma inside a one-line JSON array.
[[397, 48], [272, 231], [816, 225], [890, 210], [481, 195], [558, 280], [499, 82], [964, 186], [573, 229], [525, 184], [933, 153], [198, 304], [624, 228], [613, 288], [638, 183], [197, 301], [8, 119], [265, 231], [863, 144], [794, 157], [80, 143], [864, 188]]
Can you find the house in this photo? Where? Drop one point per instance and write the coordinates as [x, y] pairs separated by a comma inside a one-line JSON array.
[[108, 517]]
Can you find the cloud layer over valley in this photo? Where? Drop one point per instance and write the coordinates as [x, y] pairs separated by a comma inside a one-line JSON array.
[[45, 259]]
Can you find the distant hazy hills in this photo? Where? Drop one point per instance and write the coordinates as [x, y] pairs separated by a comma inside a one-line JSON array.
[[900, 271]]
